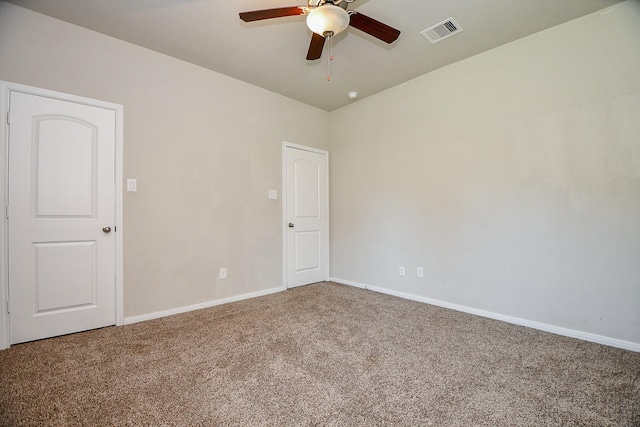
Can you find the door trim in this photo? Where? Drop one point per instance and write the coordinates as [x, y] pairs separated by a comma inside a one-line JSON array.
[[5, 90], [285, 254]]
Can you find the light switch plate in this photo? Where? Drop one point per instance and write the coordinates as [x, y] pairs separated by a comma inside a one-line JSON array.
[[273, 194], [132, 184]]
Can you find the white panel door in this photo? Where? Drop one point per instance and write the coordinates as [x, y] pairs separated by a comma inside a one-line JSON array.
[[61, 216], [307, 217]]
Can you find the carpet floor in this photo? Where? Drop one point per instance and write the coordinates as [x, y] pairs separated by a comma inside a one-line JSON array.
[[322, 354]]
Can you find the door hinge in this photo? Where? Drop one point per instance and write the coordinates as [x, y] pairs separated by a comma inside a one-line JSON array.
[[8, 117], [8, 309], [6, 212]]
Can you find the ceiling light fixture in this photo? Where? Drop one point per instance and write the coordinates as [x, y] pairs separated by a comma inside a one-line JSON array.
[[328, 20]]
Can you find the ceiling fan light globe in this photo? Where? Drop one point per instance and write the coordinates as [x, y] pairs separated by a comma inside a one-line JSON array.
[[328, 18]]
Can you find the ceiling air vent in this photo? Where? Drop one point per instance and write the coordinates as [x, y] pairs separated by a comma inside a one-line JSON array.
[[441, 31]]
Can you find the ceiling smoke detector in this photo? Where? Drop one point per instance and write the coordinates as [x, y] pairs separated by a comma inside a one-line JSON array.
[[441, 31]]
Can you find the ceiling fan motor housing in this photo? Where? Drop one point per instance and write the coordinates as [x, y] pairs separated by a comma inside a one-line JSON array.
[[341, 3]]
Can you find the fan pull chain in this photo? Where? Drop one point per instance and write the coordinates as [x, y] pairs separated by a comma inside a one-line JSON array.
[[330, 57]]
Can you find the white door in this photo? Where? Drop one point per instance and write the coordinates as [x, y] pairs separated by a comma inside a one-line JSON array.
[[61, 212], [307, 216]]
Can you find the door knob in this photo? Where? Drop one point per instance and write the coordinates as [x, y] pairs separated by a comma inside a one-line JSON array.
[[290, 225], [106, 229]]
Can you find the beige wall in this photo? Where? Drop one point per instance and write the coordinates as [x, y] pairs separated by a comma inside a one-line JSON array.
[[204, 148], [512, 178]]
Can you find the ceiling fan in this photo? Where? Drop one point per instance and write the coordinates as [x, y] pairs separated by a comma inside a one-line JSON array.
[[326, 18]]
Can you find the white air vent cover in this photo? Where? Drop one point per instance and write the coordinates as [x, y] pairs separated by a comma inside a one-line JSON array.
[[441, 31]]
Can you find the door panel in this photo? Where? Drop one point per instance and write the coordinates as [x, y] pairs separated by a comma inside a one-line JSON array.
[[307, 216], [307, 250], [65, 166], [64, 275], [307, 176], [61, 195]]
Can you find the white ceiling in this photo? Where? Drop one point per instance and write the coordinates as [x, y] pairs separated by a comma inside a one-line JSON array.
[[271, 53]]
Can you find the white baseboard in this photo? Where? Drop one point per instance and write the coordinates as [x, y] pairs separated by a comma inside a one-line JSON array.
[[585, 336], [206, 304]]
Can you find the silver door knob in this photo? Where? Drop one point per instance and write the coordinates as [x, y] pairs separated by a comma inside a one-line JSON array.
[[106, 229], [290, 225]]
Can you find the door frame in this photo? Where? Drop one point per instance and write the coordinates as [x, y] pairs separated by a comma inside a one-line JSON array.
[[5, 90], [285, 253]]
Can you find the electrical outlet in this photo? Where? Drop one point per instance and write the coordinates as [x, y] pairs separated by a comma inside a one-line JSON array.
[[223, 273], [420, 272], [401, 271]]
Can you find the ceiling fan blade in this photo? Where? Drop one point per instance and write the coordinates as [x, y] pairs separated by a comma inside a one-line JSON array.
[[315, 48], [375, 28], [279, 12]]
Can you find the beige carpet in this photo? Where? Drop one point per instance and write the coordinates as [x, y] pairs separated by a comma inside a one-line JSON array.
[[323, 354]]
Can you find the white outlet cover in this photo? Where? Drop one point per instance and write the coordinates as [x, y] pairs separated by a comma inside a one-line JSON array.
[[273, 194]]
